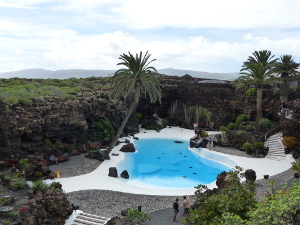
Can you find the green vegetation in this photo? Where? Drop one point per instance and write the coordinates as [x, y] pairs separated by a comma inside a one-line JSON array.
[[258, 145], [241, 118], [104, 129], [264, 123], [137, 217], [250, 91], [24, 163], [237, 205], [237, 199], [15, 214], [241, 133], [47, 143], [231, 126], [222, 128], [24, 91], [248, 148], [18, 184], [39, 186]]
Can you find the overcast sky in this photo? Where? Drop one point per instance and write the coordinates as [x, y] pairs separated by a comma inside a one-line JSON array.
[[210, 35]]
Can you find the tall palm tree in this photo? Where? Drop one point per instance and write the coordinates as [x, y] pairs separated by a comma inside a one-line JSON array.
[[257, 74], [263, 56], [286, 67], [131, 82]]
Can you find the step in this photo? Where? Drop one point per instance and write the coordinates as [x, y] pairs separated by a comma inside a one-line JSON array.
[[89, 219]]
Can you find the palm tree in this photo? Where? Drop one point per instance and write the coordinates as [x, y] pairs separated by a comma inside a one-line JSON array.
[[263, 56], [285, 68], [130, 82], [257, 74]]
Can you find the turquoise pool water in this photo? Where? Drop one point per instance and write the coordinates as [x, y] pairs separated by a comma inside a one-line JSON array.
[[163, 162]]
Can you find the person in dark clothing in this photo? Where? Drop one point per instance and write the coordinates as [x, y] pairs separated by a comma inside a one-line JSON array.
[[176, 210]]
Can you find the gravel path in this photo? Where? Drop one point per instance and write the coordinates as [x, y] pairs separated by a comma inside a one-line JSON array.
[[110, 203]]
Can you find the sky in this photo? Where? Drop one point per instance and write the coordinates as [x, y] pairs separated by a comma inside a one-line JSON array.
[[211, 36]]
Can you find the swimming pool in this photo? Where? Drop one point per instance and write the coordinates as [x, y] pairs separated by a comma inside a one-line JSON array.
[[162, 162]]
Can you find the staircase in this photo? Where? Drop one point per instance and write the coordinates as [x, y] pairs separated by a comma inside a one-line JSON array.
[[89, 219], [276, 148]]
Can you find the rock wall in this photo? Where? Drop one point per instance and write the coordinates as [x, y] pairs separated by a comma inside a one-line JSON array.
[[23, 129]]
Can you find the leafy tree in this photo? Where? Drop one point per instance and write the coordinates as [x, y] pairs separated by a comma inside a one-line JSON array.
[[264, 56], [257, 74], [286, 67], [237, 199], [131, 82]]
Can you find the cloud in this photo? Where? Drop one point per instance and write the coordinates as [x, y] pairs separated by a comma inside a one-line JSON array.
[[191, 34]]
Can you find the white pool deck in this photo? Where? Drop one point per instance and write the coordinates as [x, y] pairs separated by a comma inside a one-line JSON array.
[[99, 179]]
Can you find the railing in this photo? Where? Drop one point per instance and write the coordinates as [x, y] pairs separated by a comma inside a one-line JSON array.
[[271, 132]]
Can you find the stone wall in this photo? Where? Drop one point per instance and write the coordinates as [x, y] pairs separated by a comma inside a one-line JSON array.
[[23, 129]]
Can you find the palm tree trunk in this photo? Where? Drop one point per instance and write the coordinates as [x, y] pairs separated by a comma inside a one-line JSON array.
[[259, 113], [121, 128], [284, 89]]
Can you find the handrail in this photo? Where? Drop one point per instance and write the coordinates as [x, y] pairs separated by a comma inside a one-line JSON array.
[[271, 132]]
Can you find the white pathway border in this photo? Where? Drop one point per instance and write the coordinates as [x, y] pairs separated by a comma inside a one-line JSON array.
[[99, 179]]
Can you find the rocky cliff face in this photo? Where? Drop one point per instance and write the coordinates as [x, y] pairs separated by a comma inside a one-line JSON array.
[[221, 99], [23, 129]]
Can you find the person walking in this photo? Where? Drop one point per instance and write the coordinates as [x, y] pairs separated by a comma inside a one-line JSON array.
[[176, 209], [214, 139], [186, 205]]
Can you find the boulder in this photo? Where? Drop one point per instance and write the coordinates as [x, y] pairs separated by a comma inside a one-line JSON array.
[[119, 221], [250, 175], [113, 172], [124, 174], [128, 148]]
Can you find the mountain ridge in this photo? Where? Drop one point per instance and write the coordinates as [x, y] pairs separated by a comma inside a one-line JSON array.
[[81, 73]]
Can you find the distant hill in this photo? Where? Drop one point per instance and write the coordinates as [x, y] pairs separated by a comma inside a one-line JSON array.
[[79, 73]]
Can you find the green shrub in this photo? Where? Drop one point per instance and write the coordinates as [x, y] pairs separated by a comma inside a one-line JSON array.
[[248, 148], [250, 91], [231, 126], [241, 133], [25, 101], [19, 184], [219, 141], [137, 117], [137, 217], [104, 129], [7, 177], [276, 91], [258, 145], [39, 186], [222, 128], [24, 163], [241, 118], [296, 166], [47, 143], [152, 127], [15, 214], [165, 122], [15, 175], [264, 123], [249, 128]]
